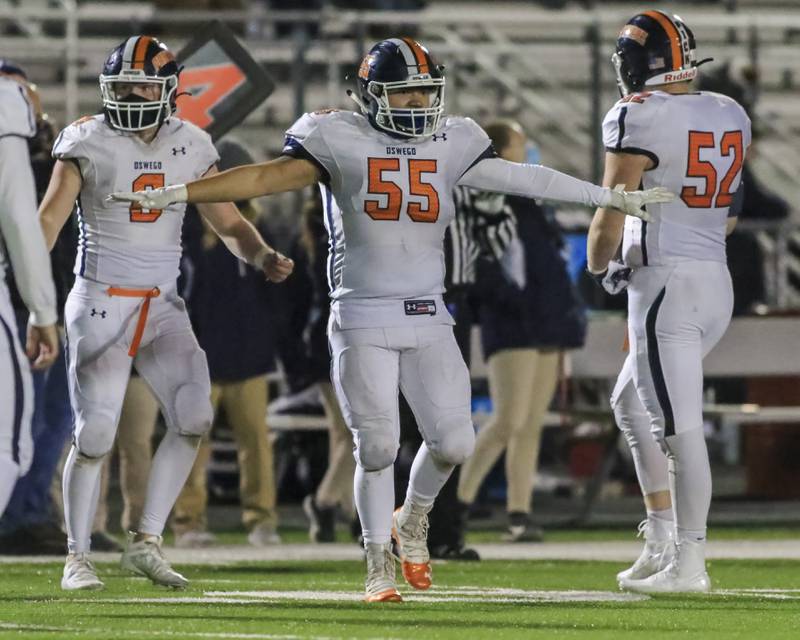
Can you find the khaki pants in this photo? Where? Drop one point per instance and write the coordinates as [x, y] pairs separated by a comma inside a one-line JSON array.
[[245, 406], [521, 383]]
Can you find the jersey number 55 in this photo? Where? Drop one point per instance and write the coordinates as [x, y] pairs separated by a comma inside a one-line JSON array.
[[417, 186]]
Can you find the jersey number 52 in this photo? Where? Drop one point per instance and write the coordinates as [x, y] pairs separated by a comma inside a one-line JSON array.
[[143, 182], [713, 196], [417, 186]]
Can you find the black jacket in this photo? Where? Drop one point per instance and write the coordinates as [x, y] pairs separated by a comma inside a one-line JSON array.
[[547, 313]]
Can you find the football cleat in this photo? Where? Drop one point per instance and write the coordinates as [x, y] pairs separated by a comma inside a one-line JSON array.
[[79, 573], [380, 583], [410, 533], [655, 557], [670, 580], [146, 558]]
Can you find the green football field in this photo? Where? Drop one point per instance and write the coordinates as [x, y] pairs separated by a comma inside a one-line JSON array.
[[321, 599]]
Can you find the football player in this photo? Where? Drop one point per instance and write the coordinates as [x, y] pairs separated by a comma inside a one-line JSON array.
[[124, 310], [387, 174], [21, 242], [664, 133]]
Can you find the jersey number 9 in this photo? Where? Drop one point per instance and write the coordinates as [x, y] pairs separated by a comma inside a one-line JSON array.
[[142, 183]]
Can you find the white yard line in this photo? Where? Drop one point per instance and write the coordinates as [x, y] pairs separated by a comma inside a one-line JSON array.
[[616, 551], [11, 626], [476, 595]]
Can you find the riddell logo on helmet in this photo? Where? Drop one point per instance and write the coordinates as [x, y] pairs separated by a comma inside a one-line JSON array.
[[677, 77]]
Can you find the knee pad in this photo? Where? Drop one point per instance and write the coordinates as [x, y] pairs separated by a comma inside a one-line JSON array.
[[94, 436], [376, 445], [630, 415], [455, 439], [192, 411]]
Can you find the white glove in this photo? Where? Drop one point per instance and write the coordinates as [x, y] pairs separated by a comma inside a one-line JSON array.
[[617, 277], [631, 202], [153, 198]]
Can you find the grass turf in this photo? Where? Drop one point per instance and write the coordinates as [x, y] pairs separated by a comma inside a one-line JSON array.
[[589, 534], [33, 606]]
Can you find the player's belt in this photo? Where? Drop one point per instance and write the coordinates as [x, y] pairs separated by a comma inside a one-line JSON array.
[[147, 294]]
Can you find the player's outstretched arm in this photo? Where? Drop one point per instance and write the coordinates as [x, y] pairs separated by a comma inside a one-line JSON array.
[[605, 232], [536, 181], [242, 183], [242, 238]]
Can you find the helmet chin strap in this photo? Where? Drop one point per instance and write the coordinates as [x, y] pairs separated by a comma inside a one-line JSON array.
[[351, 94]]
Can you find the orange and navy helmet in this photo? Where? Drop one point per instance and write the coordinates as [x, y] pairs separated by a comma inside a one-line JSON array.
[[139, 60], [654, 48], [400, 64]]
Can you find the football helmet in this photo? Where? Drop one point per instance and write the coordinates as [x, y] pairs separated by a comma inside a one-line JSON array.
[[400, 64], [654, 48], [138, 60]]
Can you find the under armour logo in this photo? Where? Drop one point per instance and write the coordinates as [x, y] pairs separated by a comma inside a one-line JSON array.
[[439, 136], [177, 150], [95, 312]]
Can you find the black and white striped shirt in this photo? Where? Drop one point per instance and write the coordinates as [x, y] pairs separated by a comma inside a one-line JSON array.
[[484, 224]]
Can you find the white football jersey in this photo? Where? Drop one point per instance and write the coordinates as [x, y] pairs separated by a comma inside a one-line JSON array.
[[16, 112], [121, 243], [697, 142], [21, 239], [388, 202]]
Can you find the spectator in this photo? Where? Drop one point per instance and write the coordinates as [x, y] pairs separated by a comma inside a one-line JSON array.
[[529, 314], [231, 310], [335, 490]]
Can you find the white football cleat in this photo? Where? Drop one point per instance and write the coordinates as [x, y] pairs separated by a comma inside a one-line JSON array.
[[655, 557], [145, 558], [410, 533], [79, 573], [669, 580], [381, 585]]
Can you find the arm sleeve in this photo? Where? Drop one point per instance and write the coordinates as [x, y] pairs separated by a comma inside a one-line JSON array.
[[68, 147], [16, 112], [533, 181], [474, 145], [304, 140], [208, 156], [628, 128], [22, 235]]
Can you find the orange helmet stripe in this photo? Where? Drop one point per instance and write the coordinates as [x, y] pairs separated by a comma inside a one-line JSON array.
[[419, 54], [140, 52], [672, 34]]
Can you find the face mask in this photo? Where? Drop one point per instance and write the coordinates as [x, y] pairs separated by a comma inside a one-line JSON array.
[[140, 118]]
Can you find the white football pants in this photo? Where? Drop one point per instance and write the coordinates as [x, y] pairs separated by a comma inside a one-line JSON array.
[[676, 315], [100, 330], [16, 402]]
